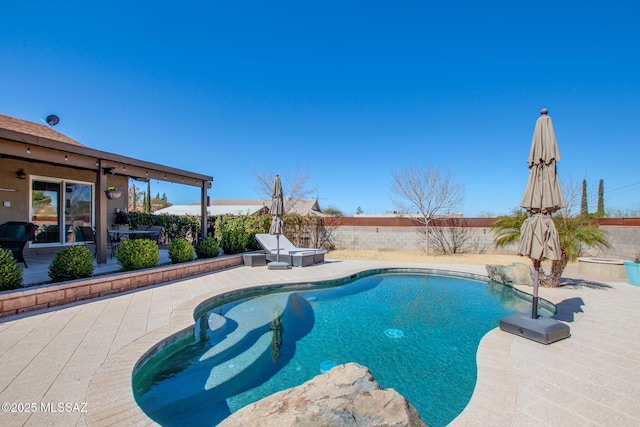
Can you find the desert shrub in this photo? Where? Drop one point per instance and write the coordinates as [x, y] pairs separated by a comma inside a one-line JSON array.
[[135, 254], [10, 271], [207, 248], [180, 250], [74, 262]]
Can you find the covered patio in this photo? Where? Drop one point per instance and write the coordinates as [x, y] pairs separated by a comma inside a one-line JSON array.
[[38, 271], [60, 184]]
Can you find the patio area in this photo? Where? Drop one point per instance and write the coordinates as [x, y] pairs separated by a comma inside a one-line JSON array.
[[38, 270], [83, 354]]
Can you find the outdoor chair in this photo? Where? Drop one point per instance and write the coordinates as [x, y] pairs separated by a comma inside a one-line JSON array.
[[14, 236], [140, 236], [155, 233], [88, 237], [298, 257], [114, 242]]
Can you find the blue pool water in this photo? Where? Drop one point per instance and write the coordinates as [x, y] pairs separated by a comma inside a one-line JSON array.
[[416, 333]]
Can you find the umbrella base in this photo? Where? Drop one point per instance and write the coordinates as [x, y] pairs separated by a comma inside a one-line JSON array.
[[541, 329], [275, 265]]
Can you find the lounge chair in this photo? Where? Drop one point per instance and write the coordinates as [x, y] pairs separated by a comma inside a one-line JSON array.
[[298, 257], [14, 236]]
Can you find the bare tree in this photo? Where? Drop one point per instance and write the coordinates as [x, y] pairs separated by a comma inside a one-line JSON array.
[[294, 186], [450, 236], [426, 191]]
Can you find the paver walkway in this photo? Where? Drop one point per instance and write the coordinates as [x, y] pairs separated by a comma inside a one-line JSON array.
[[72, 365]]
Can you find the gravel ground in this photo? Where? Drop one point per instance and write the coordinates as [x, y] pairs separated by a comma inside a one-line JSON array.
[[402, 256]]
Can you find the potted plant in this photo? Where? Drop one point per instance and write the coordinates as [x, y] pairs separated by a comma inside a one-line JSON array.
[[632, 269], [113, 193]]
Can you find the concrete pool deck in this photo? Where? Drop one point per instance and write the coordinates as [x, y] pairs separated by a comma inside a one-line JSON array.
[[72, 365]]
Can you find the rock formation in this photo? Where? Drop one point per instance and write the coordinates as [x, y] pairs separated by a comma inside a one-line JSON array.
[[512, 274], [347, 395]]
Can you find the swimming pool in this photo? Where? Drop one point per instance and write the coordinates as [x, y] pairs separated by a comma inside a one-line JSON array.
[[417, 332]]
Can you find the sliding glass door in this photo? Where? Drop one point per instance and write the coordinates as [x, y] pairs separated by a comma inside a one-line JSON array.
[[78, 208], [59, 207]]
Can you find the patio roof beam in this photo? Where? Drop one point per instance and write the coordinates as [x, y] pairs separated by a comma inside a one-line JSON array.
[[150, 174], [29, 141], [46, 155], [89, 159]]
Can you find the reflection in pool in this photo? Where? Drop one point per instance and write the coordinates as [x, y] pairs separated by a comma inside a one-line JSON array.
[[417, 333]]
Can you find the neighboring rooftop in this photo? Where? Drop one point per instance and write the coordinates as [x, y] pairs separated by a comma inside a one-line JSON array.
[[244, 207]]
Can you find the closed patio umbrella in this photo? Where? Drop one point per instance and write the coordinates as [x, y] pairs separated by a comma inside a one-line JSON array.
[[538, 235], [542, 196], [277, 224]]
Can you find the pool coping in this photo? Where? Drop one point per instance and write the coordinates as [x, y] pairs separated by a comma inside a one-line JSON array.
[[592, 378]]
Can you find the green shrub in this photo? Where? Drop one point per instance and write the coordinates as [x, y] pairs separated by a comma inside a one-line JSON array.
[[10, 271], [175, 226], [74, 262], [180, 250], [135, 254], [236, 234], [207, 248]]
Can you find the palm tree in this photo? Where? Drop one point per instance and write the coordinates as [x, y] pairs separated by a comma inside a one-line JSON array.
[[507, 228], [575, 233]]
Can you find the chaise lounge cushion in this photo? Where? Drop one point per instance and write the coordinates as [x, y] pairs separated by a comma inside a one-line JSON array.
[[270, 243], [298, 257]]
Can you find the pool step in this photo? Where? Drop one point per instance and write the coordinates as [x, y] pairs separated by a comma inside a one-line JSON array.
[[230, 369], [250, 316], [216, 322]]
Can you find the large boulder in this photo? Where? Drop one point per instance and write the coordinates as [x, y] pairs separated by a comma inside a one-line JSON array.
[[347, 395], [512, 274]]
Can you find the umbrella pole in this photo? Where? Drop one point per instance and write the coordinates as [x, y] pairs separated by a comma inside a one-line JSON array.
[[536, 281], [278, 248]]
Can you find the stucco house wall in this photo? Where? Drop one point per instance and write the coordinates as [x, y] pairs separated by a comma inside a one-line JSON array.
[[20, 202]]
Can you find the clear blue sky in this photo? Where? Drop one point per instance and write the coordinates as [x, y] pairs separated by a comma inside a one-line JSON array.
[[347, 91]]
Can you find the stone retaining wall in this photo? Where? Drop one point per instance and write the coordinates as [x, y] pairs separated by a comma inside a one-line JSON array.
[[52, 295], [602, 267]]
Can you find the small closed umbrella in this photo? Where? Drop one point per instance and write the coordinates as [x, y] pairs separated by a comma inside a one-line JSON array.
[[542, 196], [277, 224]]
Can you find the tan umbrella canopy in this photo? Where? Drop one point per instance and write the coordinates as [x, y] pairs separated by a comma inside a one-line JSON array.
[[277, 208], [542, 193], [542, 196], [277, 224]]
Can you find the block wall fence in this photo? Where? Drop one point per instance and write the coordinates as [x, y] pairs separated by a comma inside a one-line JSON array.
[[402, 234]]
